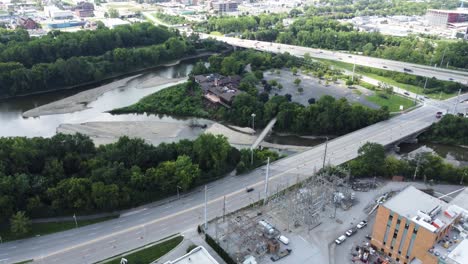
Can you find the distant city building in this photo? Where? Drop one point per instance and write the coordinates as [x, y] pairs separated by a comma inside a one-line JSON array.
[[442, 18], [55, 13], [416, 228], [224, 6], [84, 9], [198, 255], [27, 23], [219, 89]]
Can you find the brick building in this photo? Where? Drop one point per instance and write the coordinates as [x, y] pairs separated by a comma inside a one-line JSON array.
[[410, 227]]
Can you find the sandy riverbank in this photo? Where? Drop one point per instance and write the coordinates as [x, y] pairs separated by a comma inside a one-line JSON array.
[[79, 101]]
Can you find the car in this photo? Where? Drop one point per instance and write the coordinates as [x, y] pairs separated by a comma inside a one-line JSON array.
[[350, 56], [351, 231], [427, 97], [438, 114], [340, 239], [249, 189], [362, 224], [406, 93], [407, 70], [283, 239], [385, 67], [450, 79], [369, 237]]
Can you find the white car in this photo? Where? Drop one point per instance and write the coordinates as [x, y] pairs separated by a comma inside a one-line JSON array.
[[340, 240], [283, 239], [362, 224]]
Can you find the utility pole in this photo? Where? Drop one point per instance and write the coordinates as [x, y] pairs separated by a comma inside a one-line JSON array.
[[253, 122], [76, 222], [224, 207], [417, 168], [178, 196], [267, 175], [206, 221], [325, 153], [456, 103], [251, 155]]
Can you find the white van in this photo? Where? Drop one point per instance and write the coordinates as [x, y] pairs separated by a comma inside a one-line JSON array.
[[283, 239], [340, 239]]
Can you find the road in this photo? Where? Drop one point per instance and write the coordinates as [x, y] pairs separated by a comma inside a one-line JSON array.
[[416, 69], [99, 241]]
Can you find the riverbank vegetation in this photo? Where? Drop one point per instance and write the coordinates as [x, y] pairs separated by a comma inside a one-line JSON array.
[[67, 174], [60, 65], [327, 116], [450, 129], [430, 168]]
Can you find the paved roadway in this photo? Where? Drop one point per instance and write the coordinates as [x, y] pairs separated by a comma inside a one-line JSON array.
[[416, 69], [99, 241]]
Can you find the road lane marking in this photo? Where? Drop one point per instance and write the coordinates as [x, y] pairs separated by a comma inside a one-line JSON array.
[[91, 234]]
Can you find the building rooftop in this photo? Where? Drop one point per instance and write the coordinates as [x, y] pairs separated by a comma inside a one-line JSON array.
[[457, 11], [460, 253], [422, 208], [198, 255]]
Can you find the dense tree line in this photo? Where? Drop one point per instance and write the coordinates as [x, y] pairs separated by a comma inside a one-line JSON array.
[[327, 33], [169, 19], [19, 35], [432, 86], [450, 129], [228, 24], [63, 45], [16, 79], [372, 162], [68, 174]]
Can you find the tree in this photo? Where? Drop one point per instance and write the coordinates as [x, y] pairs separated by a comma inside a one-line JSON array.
[[288, 97], [297, 81], [113, 13], [20, 224], [370, 161], [311, 100], [280, 86], [294, 71], [300, 90]]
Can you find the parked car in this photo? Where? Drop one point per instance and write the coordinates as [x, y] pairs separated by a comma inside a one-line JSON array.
[[249, 189], [351, 231], [340, 239], [406, 93], [362, 224], [283, 239]]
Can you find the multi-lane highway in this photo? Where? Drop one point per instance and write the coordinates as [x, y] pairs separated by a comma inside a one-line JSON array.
[[416, 69], [99, 241]]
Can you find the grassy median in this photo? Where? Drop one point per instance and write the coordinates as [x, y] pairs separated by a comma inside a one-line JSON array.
[[393, 102], [150, 253], [40, 229]]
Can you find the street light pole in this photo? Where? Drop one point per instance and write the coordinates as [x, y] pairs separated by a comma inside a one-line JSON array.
[[253, 122], [178, 196], [251, 155], [325, 153], [76, 222]]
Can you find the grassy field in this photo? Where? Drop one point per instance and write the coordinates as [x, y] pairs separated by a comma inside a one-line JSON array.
[[393, 102], [216, 33], [409, 87], [40, 229], [151, 253]]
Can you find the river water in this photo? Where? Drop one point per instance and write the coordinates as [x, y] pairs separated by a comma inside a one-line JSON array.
[[14, 124]]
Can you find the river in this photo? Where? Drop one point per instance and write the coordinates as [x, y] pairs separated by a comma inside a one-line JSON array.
[[14, 124]]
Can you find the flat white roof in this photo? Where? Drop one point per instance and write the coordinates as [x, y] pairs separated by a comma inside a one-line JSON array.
[[416, 205], [460, 253], [198, 255]]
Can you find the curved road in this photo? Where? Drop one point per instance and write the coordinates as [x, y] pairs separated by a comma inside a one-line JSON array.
[[398, 66]]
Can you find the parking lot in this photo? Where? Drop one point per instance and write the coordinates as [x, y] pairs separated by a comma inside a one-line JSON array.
[[316, 88]]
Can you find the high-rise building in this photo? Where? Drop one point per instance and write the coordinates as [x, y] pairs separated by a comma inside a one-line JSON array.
[[415, 227], [224, 6]]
